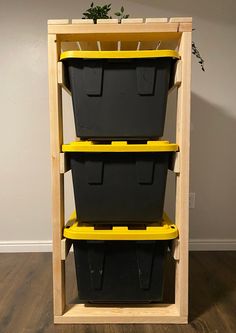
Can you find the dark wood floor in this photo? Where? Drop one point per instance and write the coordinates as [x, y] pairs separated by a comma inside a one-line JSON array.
[[26, 296]]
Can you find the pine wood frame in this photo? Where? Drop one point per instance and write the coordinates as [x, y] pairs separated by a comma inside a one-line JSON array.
[[179, 29]]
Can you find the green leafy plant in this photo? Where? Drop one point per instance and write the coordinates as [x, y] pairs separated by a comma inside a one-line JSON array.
[[102, 12], [97, 12], [121, 14], [197, 54]]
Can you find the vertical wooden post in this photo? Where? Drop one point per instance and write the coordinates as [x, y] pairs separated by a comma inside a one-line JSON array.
[[56, 131], [182, 179]]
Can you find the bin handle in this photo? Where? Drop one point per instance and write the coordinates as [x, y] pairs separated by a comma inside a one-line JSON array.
[[144, 255], [96, 254], [145, 76], [93, 80], [144, 171], [94, 172]]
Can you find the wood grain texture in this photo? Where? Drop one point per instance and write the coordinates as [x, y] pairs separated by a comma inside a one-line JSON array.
[[56, 138], [26, 296], [107, 21], [82, 21], [175, 163], [65, 248], [182, 179], [59, 21], [61, 77], [127, 27], [64, 163], [154, 19], [132, 20], [181, 19]]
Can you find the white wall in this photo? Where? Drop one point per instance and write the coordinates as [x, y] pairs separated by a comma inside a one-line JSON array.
[[24, 127]]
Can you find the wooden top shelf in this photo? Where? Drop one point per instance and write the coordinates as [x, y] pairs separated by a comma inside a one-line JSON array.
[[142, 27]]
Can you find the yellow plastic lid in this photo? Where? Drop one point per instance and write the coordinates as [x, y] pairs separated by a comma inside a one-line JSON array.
[[119, 146], [120, 54], [166, 231]]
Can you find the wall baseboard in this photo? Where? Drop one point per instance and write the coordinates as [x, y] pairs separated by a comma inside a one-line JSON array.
[[212, 244], [46, 246], [25, 246]]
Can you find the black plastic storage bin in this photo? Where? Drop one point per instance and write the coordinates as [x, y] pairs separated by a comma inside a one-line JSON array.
[[118, 186], [119, 94], [119, 270]]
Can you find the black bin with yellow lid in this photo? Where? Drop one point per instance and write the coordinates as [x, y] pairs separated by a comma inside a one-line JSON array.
[[119, 94], [118, 264], [119, 182]]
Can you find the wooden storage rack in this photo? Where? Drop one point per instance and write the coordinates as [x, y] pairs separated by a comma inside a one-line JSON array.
[[175, 33]]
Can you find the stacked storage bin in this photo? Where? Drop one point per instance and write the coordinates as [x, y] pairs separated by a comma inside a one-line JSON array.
[[119, 170]]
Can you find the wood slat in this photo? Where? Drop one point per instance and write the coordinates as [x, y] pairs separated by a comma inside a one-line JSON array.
[[178, 73], [176, 78], [61, 77], [155, 20], [60, 73], [82, 21], [132, 20], [175, 163], [175, 249], [185, 27], [65, 248], [128, 20], [64, 164], [59, 21], [181, 19], [81, 314], [107, 21], [113, 29], [111, 37]]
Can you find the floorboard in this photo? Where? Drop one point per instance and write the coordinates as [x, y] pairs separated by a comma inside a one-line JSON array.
[[26, 296]]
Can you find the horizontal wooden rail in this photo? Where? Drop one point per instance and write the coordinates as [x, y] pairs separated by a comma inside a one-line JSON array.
[[82, 314], [116, 37], [126, 27]]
